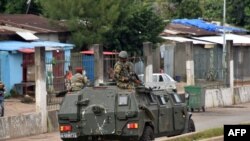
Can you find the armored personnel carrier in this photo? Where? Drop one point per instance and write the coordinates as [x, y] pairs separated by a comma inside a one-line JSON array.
[[110, 113]]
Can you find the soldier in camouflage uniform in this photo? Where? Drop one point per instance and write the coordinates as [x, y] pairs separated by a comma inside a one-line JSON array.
[[123, 72], [78, 80]]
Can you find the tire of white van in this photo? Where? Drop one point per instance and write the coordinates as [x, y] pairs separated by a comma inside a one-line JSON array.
[[148, 134], [191, 126]]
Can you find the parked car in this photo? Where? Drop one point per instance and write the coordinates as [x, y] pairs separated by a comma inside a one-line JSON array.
[[160, 81]]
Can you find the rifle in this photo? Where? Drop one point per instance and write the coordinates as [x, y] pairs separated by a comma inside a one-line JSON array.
[[134, 77]]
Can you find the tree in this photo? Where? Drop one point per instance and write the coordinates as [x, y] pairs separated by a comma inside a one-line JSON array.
[[212, 9], [21, 6], [117, 24], [2, 5], [88, 20], [178, 8], [238, 12], [142, 25]]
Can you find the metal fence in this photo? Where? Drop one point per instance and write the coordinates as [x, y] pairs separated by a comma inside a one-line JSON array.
[[208, 70], [241, 65], [55, 71]]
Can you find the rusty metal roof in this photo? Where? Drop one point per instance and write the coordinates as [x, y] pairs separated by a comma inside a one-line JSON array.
[[6, 32], [31, 22], [179, 29]]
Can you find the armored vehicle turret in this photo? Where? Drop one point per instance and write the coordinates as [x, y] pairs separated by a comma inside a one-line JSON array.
[[110, 113]]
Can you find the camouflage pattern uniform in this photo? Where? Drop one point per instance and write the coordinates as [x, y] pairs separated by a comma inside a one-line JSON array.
[[122, 74], [78, 82]]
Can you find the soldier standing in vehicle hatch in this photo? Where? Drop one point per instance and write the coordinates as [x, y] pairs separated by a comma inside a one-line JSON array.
[[123, 72]]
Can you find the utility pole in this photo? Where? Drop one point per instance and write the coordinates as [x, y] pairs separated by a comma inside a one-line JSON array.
[[224, 66], [28, 3]]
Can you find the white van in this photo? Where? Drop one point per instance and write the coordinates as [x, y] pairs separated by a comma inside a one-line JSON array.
[[160, 81]]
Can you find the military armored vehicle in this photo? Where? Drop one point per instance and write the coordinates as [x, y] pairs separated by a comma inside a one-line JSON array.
[[110, 113]]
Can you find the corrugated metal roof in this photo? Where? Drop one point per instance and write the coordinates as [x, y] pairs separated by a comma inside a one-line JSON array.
[[237, 39], [32, 22], [27, 36], [17, 45], [182, 39], [179, 29], [6, 32], [104, 53]]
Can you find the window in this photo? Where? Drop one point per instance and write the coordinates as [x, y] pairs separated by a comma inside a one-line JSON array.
[[176, 98], [160, 78], [155, 78], [123, 100], [151, 98], [162, 100]]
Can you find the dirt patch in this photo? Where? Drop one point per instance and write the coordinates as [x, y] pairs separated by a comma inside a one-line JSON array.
[[14, 106]]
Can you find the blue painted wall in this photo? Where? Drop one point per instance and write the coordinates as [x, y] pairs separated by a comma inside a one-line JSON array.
[[4, 69], [11, 70], [16, 71], [88, 64]]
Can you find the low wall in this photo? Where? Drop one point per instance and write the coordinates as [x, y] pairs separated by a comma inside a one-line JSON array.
[[20, 125], [26, 125], [53, 121], [226, 96]]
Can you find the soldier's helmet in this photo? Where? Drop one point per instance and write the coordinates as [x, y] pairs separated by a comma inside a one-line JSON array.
[[123, 54]]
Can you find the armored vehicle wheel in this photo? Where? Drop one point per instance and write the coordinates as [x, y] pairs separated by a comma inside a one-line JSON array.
[[191, 126], [148, 134]]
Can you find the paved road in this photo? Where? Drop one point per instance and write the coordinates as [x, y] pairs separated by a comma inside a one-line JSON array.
[[213, 117]]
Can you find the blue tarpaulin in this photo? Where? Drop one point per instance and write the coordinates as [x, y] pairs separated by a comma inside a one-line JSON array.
[[207, 26], [17, 45]]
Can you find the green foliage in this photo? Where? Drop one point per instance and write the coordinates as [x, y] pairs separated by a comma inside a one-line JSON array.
[[178, 8], [88, 20], [238, 12], [2, 5], [212, 9], [117, 24], [20, 7], [141, 26]]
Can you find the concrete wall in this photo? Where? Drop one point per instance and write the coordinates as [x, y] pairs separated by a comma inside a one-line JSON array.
[[48, 37], [226, 97], [26, 125], [20, 125]]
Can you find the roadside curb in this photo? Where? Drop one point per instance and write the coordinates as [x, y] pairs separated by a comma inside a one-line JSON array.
[[190, 135], [218, 138]]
